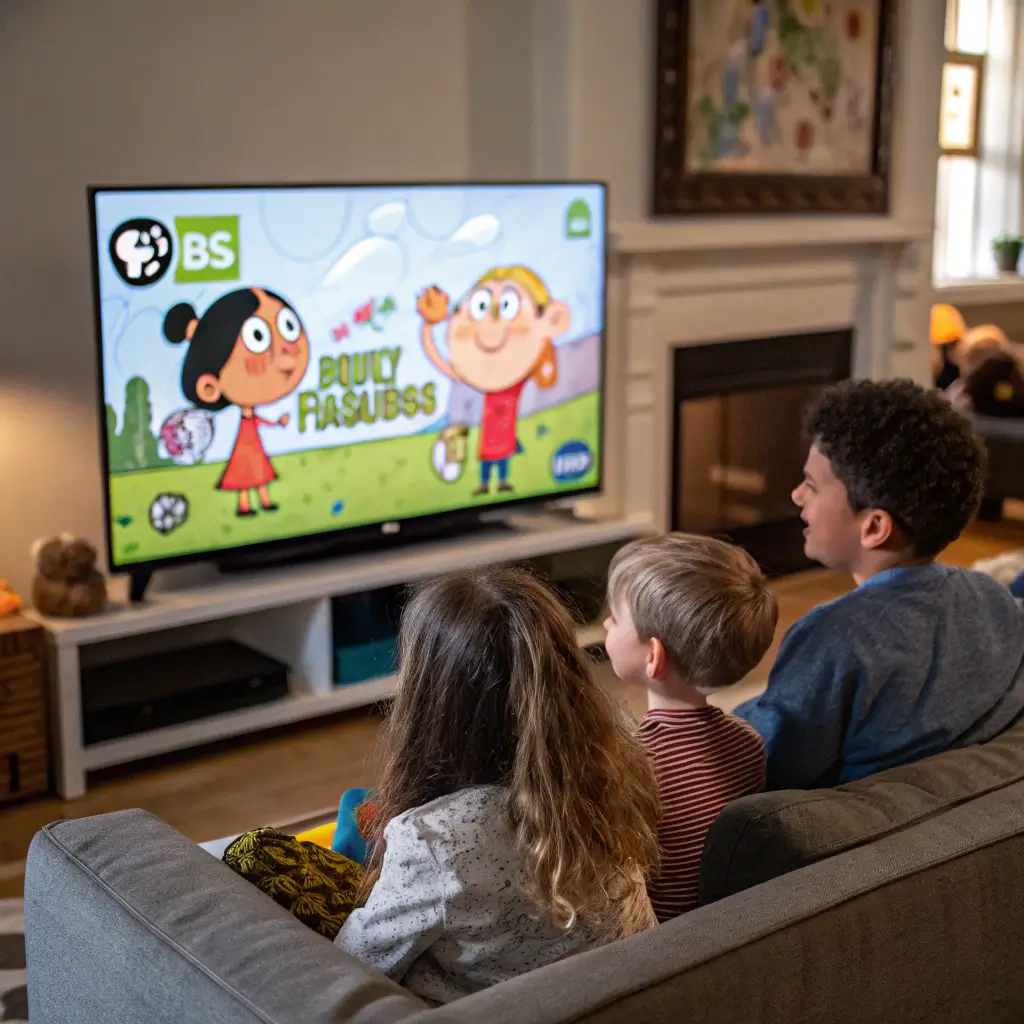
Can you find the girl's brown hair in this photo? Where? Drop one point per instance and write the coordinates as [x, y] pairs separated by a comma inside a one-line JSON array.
[[494, 690]]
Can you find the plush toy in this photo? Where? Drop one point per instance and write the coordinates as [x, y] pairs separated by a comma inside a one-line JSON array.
[[355, 815], [348, 834], [67, 583], [9, 600], [991, 382]]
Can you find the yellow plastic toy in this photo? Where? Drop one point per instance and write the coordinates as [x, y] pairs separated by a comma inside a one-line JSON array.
[[322, 835]]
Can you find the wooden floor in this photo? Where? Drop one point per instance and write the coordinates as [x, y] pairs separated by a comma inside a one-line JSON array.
[[291, 773]]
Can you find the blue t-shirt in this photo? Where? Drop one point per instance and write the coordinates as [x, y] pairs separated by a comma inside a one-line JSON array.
[[915, 661]]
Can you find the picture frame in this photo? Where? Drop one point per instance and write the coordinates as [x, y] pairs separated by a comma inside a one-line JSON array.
[[786, 109]]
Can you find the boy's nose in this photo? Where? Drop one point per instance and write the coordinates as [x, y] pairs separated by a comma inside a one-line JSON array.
[[798, 496]]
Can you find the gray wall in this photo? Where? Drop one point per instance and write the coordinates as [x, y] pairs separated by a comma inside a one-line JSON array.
[[1007, 315], [126, 91]]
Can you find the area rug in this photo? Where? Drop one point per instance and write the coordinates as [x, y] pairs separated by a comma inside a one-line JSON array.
[[1004, 567], [13, 991]]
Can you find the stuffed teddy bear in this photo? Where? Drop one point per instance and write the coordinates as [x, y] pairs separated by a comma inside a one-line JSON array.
[[990, 382], [67, 583]]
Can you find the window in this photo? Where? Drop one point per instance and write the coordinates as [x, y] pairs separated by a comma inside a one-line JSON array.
[[981, 135]]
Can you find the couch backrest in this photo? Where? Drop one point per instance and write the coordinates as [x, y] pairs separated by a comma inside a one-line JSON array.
[[761, 837], [924, 925], [127, 921]]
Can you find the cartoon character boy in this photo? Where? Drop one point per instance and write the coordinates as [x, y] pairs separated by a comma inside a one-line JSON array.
[[497, 339]]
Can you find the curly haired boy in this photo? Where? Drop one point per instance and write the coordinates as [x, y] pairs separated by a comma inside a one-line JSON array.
[[920, 657]]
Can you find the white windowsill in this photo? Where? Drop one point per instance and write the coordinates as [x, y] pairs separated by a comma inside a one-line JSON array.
[[981, 291]]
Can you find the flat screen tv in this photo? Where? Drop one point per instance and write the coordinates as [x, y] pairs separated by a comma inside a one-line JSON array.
[[293, 362]]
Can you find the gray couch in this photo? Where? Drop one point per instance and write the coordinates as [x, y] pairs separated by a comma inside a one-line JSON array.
[[1004, 441], [897, 899]]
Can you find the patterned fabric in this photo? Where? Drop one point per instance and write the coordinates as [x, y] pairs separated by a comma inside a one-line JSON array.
[[314, 884]]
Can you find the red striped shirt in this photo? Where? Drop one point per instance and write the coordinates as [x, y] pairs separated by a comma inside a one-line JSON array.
[[703, 759]]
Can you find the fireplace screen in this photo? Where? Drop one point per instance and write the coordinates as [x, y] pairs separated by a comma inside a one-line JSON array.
[[738, 444], [741, 458]]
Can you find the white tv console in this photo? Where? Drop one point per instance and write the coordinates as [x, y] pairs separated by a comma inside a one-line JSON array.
[[285, 613]]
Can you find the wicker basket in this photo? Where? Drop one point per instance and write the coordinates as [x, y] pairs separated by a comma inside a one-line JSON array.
[[24, 754]]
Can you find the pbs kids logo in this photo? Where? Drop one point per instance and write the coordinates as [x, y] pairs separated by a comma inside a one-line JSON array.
[[141, 251], [571, 462], [208, 249]]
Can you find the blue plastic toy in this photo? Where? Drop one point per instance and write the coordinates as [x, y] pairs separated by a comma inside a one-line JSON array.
[[348, 840]]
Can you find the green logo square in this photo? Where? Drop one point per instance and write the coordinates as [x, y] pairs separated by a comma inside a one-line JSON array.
[[207, 249], [577, 220]]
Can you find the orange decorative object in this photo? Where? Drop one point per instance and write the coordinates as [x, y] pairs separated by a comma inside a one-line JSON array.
[[946, 325], [9, 600]]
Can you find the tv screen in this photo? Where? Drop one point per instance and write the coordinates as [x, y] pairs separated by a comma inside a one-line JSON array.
[[286, 362]]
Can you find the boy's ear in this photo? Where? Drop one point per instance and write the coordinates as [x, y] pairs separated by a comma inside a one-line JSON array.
[[657, 660], [877, 528]]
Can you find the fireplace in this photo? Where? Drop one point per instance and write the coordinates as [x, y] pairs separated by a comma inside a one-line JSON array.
[[737, 444]]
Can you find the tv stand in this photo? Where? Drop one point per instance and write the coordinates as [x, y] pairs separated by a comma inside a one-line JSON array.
[[285, 613], [138, 581], [304, 552]]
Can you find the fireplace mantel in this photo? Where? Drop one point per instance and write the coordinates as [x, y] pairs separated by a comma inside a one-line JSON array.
[[708, 234], [704, 281]]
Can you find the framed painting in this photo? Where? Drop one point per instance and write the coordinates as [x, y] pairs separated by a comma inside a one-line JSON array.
[[774, 106]]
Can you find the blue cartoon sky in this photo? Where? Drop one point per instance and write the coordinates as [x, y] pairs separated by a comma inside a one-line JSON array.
[[329, 251]]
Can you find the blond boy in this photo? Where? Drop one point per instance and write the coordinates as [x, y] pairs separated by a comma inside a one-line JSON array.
[[690, 616]]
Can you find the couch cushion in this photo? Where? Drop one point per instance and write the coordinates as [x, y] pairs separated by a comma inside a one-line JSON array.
[[764, 836], [126, 920]]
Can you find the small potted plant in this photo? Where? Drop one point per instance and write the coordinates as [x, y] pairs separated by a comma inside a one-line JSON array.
[[1007, 250]]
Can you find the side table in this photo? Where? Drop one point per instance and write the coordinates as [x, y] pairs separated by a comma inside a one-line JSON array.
[[24, 746]]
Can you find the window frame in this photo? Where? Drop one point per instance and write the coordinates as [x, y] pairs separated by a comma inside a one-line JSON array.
[[960, 58]]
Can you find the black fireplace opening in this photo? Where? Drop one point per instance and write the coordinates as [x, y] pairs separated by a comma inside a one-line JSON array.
[[737, 441]]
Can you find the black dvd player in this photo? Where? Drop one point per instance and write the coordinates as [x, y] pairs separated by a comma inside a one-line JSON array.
[[173, 687]]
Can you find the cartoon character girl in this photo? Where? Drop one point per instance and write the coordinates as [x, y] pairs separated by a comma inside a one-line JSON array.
[[248, 349], [497, 339]]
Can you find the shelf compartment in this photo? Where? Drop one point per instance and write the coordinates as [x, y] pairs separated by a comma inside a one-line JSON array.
[[296, 708]]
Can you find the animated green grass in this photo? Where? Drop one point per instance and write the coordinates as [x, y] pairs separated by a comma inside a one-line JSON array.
[[332, 488]]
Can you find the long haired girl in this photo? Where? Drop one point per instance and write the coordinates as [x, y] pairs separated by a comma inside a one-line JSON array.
[[516, 813]]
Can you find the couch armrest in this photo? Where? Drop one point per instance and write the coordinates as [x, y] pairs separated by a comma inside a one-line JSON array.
[[127, 920]]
